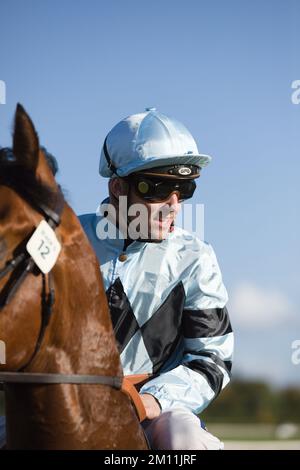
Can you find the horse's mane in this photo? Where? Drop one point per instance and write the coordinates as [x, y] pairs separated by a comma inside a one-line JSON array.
[[28, 185], [51, 160]]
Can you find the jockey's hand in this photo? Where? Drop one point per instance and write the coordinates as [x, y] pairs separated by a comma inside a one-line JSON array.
[[151, 405]]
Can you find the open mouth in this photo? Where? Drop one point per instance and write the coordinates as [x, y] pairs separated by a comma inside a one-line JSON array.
[[166, 221]]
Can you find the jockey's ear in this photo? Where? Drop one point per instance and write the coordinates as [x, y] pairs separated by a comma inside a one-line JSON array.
[[118, 187], [25, 140]]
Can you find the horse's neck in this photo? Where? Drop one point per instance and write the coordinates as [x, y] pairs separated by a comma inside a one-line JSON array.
[[81, 338], [78, 340]]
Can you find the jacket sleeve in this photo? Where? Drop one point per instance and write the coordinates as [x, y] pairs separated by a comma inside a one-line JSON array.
[[204, 368]]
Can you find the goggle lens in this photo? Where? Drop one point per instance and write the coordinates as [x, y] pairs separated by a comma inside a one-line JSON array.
[[157, 189]]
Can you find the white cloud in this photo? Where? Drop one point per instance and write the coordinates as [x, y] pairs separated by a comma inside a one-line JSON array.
[[256, 307]]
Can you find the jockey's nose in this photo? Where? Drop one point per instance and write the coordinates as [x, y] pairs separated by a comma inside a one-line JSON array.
[[174, 197], [174, 201]]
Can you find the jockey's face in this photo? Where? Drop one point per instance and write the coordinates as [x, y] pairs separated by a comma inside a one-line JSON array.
[[149, 220], [160, 216]]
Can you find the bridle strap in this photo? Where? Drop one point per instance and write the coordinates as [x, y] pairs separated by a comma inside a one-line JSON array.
[[53, 216], [48, 379], [50, 214], [47, 304], [11, 265]]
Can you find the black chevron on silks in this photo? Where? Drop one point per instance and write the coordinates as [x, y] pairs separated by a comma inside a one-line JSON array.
[[206, 323], [210, 372], [226, 365], [163, 331], [122, 316]]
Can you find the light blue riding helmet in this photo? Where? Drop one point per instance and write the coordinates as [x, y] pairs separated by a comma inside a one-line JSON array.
[[148, 140]]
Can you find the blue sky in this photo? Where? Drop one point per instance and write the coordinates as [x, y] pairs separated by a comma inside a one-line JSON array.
[[225, 70]]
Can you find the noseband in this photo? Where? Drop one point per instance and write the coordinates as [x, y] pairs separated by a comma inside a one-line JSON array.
[[25, 263]]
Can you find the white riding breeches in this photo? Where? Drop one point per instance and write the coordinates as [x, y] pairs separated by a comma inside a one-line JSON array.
[[179, 429]]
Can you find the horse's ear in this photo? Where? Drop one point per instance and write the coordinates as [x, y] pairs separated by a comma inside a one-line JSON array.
[[25, 140]]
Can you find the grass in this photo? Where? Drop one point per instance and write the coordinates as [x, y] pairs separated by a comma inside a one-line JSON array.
[[255, 432]]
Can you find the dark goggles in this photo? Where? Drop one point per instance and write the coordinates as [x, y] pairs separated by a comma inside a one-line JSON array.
[[157, 189]]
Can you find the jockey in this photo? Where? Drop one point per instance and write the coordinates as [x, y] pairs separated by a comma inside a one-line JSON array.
[[164, 286]]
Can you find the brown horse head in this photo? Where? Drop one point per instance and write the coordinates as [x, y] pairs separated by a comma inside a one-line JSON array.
[[77, 335]]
